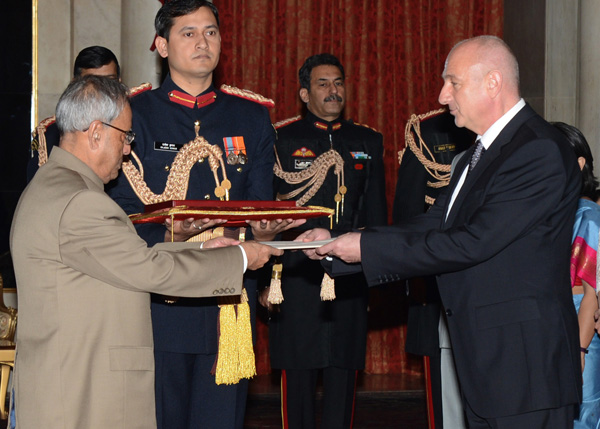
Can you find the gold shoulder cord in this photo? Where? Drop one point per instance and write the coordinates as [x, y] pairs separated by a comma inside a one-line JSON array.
[[440, 172], [315, 176], [40, 135], [235, 358], [179, 175]]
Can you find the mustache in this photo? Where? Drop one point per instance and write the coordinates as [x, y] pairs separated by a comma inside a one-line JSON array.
[[333, 97]]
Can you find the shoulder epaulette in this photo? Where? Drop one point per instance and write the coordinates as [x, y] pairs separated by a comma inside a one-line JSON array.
[[433, 114], [136, 90], [365, 126], [41, 128], [38, 142], [45, 123], [440, 172], [248, 95], [287, 121]]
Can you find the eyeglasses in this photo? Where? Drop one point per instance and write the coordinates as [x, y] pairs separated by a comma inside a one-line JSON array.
[[129, 135]]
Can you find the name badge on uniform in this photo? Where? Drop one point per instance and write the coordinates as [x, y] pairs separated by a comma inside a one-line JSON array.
[[302, 164], [235, 150], [448, 147], [167, 147]]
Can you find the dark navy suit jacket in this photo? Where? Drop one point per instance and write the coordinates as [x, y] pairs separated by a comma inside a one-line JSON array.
[[502, 260]]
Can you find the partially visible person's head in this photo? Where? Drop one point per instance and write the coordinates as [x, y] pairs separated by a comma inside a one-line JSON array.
[[97, 60], [481, 82], [322, 86], [165, 18], [581, 148], [94, 120], [188, 36]]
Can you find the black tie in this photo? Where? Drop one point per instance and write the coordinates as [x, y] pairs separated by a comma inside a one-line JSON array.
[[476, 155]]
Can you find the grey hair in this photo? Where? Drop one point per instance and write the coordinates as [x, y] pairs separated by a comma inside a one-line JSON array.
[[87, 99]]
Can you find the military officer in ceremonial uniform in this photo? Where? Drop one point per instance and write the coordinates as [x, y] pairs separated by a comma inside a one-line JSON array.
[[306, 334], [96, 60], [185, 330]]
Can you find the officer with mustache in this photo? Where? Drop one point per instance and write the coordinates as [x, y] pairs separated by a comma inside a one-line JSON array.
[[323, 160]]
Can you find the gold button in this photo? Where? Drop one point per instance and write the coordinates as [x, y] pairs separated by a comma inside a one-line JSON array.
[[239, 169], [167, 168], [201, 160], [207, 197]]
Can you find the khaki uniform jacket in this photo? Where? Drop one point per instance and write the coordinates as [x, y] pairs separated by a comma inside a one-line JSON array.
[[84, 344]]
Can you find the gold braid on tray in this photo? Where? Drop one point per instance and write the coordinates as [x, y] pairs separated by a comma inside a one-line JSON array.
[[178, 179]]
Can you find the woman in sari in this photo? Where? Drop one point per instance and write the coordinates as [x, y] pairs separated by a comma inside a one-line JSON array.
[[583, 277]]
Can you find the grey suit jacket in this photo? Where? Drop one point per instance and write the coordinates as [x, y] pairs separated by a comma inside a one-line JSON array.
[[84, 347]]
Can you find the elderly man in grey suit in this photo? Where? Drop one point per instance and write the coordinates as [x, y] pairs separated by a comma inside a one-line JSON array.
[[84, 348]]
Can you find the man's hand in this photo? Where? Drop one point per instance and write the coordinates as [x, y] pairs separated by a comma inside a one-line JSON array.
[[220, 242], [259, 254], [187, 228], [316, 234], [266, 230], [346, 247]]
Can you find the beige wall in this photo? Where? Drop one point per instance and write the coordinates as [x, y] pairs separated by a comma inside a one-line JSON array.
[[65, 27], [556, 43]]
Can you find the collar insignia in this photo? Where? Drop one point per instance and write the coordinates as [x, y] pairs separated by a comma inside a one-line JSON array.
[[325, 127], [189, 101]]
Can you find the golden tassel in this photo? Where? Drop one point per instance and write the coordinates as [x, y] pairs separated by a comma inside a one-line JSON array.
[[275, 294], [228, 356], [247, 365], [327, 288]]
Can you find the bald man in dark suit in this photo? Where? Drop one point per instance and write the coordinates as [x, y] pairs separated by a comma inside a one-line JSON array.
[[499, 242]]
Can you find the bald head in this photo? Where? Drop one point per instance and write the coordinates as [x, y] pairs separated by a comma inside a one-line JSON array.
[[481, 82], [491, 53]]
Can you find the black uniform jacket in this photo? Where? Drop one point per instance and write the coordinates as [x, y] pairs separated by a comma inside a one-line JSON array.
[[162, 126], [307, 332]]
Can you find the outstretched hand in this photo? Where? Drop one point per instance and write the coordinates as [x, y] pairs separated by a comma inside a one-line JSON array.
[[266, 230], [259, 254], [346, 247], [187, 228], [213, 243], [315, 234]]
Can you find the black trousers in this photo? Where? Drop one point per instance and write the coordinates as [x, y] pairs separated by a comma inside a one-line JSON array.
[[553, 418], [298, 397], [187, 396]]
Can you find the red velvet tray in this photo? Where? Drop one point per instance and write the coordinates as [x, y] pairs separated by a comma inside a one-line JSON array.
[[236, 212]]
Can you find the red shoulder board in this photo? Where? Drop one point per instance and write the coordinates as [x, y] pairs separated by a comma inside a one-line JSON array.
[[139, 89], [248, 95], [287, 121], [366, 126]]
